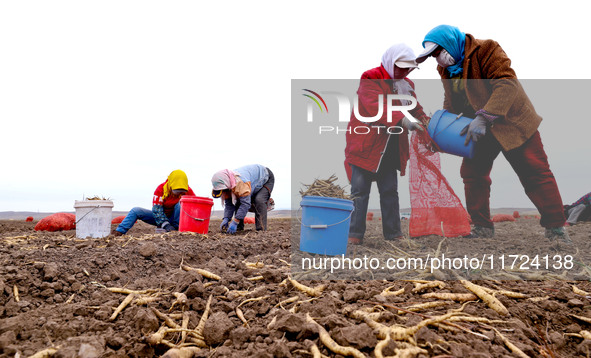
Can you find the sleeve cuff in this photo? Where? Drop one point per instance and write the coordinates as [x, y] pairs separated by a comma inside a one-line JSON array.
[[489, 116]]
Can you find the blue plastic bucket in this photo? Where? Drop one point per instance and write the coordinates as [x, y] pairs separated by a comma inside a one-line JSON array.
[[325, 225], [445, 128]]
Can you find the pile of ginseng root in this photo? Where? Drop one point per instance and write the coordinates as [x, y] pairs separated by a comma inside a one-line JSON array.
[[325, 188]]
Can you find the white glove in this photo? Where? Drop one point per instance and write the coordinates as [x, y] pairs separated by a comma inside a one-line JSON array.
[[410, 125]]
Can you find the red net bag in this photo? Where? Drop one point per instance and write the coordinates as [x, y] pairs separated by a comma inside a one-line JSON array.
[[249, 220], [57, 222], [502, 217], [435, 208], [118, 219]]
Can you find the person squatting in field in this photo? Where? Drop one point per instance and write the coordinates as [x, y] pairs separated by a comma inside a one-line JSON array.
[[166, 206], [479, 82], [377, 155], [247, 188], [577, 208]]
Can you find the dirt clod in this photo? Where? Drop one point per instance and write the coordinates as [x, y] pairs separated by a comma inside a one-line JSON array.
[[148, 250], [359, 336], [289, 323], [217, 328]]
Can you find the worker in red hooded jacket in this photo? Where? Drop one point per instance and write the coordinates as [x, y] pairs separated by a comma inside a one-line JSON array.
[[166, 206], [376, 147]]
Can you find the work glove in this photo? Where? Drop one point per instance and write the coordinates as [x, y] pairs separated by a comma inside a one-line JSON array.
[[410, 125], [224, 225], [166, 226], [476, 129], [232, 228]]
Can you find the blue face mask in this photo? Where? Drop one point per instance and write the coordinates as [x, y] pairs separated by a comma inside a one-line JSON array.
[[444, 59]]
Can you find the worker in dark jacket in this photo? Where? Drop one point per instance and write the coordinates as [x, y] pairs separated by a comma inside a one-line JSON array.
[[479, 82]]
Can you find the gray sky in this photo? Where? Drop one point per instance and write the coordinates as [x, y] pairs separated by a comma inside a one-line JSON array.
[[107, 98]]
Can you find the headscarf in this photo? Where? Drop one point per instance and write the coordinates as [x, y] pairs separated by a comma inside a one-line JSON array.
[[224, 179], [399, 54], [453, 41], [176, 180], [403, 56]]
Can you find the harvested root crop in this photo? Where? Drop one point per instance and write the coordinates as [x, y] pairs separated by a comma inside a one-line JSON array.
[[240, 315], [255, 265], [582, 318], [578, 291], [181, 299], [122, 306], [399, 333], [325, 188], [327, 340], [252, 300], [167, 320], [510, 294], [203, 319], [380, 347], [388, 292], [315, 351], [46, 353], [458, 297], [513, 348], [141, 301], [127, 291], [423, 285], [204, 273], [424, 306], [486, 297], [185, 352], [288, 301], [184, 326], [314, 292]]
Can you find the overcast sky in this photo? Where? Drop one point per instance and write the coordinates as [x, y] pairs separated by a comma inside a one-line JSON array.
[[107, 98]]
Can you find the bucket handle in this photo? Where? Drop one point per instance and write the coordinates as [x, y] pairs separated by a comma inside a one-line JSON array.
[[93, 209], [446, 127], [324, 226], [196, 219]]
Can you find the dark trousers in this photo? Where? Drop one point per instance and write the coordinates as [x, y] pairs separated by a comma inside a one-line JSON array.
[[260, 201], [530, 163], [387, 181]]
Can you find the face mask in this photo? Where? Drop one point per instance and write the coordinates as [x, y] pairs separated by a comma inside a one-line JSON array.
[[444, 59]]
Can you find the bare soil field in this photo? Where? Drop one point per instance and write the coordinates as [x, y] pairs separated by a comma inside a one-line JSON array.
[[217, 295]]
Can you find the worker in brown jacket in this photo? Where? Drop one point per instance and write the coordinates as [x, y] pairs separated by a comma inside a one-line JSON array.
[[479, 82]]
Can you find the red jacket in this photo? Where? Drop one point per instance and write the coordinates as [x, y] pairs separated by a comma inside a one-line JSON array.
[[366, 150], [169, 203]]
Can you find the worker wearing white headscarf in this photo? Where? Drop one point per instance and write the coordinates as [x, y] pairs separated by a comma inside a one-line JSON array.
[[375, 155]]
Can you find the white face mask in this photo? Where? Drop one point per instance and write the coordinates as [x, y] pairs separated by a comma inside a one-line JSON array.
[[444, 59]]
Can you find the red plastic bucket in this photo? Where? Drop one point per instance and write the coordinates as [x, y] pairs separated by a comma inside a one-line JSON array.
[[195, 213]]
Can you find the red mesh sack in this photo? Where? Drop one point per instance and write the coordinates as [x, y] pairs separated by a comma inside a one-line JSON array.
[[435, 208], [29, 219], [369, 216], [502, 217], [249, 220], [57, 222], [118, 219], [516, 214]]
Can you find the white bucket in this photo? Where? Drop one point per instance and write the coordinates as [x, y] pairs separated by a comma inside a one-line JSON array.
[[93, 218]]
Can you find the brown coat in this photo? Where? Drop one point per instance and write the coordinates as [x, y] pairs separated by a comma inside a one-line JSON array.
[[493, 86]]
